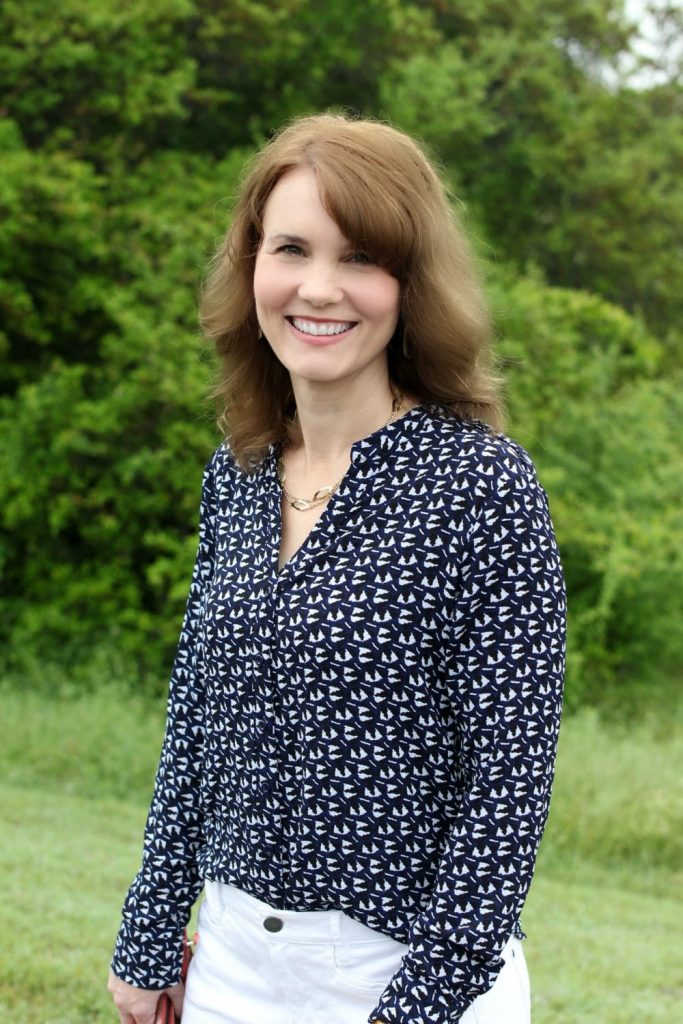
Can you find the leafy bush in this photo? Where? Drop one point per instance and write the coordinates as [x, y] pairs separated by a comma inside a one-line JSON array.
[[587, 400], [105, 444]]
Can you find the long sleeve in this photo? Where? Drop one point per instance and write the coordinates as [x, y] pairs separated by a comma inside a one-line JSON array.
[[506, 656], [148, 949]]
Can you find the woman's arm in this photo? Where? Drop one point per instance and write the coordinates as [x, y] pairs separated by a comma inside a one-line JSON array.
[[506, 656], [149, 947]]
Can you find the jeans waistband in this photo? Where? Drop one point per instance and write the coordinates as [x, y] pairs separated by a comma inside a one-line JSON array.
[[331, 926]]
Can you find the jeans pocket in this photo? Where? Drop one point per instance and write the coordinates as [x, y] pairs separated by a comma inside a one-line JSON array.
[[367, 966], [505, 1002], [211, 909]]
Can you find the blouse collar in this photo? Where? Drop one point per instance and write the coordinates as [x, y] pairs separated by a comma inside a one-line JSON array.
[[397, 435]]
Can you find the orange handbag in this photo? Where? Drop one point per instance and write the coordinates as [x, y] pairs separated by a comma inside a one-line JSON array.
[[165, 1011]]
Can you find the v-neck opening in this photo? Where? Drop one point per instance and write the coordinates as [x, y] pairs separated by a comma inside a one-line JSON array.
[[370, 442], [317, 526]]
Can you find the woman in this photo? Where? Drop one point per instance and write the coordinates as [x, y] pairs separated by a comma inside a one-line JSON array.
[[365, 700]]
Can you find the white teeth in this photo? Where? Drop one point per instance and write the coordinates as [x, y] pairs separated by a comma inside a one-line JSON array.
[[311, 327]]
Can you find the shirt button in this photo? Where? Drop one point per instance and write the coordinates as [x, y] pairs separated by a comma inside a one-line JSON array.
[[273, 924]]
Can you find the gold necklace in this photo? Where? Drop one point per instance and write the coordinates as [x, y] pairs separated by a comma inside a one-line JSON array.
[[323, 493]]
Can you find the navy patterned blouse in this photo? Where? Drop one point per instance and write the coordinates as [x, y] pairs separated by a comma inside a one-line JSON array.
[[372, 728]]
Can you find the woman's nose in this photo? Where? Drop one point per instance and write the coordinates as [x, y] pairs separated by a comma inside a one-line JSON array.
[[319, 286]]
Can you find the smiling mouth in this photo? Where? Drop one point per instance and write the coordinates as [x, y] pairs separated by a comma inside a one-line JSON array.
[[321, 329]]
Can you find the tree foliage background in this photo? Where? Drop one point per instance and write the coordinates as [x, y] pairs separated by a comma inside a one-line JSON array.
[[123, 130]]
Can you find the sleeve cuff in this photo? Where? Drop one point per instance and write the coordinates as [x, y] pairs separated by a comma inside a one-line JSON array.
[[150, 959], [409, 999]]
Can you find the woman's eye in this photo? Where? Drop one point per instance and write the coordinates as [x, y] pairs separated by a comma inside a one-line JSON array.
[[361, 257], [291, 249]]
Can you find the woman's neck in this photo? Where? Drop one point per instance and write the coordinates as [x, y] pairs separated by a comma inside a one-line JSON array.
[[332, 417]]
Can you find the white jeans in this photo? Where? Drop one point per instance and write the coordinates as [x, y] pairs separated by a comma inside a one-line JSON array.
[[314, 967]]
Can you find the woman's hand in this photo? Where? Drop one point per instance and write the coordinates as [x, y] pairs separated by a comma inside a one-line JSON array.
[[138, 1005]]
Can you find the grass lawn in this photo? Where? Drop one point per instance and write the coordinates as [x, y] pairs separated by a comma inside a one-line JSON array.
[[600, 952], [605, 933]]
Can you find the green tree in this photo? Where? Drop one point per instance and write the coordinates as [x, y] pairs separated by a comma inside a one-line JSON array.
[[54, 263], [588, 399], [102, 454], [102, 80], [560, 168]]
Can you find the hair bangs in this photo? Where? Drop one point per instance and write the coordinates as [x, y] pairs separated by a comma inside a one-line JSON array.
[[368, 212]]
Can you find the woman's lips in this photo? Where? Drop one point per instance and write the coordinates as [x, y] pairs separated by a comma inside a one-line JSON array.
[[319, 340]]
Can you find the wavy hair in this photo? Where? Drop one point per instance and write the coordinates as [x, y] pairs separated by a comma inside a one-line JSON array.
[[387, 198]]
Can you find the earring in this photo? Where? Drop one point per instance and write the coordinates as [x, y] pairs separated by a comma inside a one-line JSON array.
[[260, 332], [406, 351]]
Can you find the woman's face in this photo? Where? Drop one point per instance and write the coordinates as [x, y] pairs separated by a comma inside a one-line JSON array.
[[327, 311]]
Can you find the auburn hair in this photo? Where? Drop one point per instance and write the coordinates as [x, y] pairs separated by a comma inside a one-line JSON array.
[[388, 199]]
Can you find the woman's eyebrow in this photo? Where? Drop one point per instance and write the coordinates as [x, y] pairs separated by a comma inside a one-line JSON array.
[[288, 239]]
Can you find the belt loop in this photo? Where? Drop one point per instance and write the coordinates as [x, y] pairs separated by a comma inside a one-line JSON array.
[[336, 927]]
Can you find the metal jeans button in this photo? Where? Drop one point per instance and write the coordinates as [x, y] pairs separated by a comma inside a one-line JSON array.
[[273, 924]]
